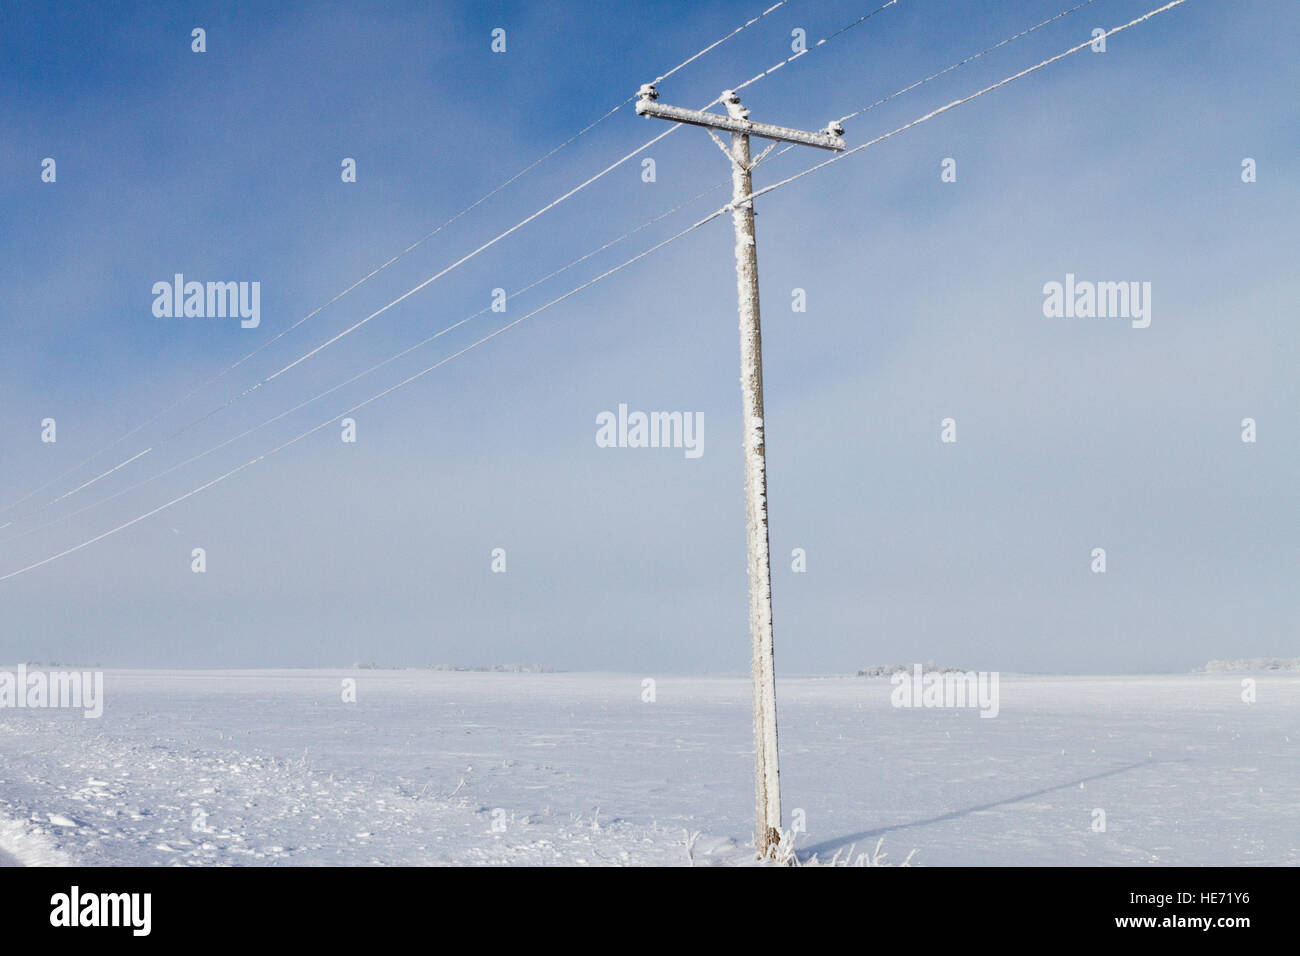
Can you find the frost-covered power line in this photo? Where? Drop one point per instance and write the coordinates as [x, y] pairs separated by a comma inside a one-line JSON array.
[[373, 368], [373, 315], [963, 62], [663, 76], [948, 69], [504, 328], [373, 398], [966, 99], [790, 59], [355, 285], [464, 259], [573, 191]]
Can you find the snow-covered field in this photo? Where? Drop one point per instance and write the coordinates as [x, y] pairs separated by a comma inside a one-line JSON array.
[[266, 767]]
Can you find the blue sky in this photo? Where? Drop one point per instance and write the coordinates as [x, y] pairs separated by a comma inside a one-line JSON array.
[[924, 302]]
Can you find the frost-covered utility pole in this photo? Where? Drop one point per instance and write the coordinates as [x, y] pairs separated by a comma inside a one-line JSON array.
[[766, 774]]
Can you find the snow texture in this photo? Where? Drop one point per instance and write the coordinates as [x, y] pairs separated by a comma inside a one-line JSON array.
[[271, 767]]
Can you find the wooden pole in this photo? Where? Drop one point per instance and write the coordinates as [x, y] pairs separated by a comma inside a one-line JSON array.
[[767, 777]]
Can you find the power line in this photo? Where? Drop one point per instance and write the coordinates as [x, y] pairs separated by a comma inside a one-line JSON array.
[[378, 312], [576, 189], [459, 262], [963, 62], [707, 49], [947, 69], [368, 276], [97, 477], [374, 398], [203, 454], [790, 59], [477, 251], [965, 99], [504, 328]]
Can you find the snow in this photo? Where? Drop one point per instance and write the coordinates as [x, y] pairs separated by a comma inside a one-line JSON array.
[[439, 767], [26, 844]]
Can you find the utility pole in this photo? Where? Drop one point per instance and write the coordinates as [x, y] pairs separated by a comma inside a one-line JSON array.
[[767, 785]]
